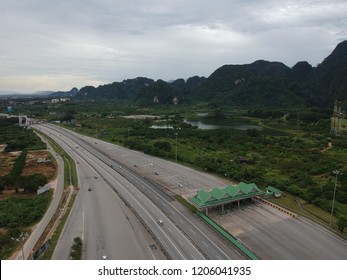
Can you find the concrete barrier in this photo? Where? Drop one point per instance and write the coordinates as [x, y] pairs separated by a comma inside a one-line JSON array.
[[284, 210]]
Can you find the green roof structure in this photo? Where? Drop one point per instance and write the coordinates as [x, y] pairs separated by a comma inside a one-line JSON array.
[[228, 194], [273, 191]]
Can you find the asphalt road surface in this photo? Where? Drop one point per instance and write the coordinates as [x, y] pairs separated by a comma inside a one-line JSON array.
[[176, 241]]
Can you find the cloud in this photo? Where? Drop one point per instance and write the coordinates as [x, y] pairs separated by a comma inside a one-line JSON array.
[[61, 44]]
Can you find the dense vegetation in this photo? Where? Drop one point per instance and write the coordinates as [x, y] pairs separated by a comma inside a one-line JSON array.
[[16, 214]]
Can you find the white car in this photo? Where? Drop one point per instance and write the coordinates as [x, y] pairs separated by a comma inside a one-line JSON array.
[[104, 258]]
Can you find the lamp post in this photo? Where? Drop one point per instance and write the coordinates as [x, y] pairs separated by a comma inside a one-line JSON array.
[[176, 146], [336, 172]]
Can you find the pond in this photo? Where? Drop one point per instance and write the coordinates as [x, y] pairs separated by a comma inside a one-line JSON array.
[[238, 124], [232, 124]]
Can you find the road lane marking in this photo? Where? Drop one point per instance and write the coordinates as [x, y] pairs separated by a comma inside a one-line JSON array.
[[205, 244], [203, 234]]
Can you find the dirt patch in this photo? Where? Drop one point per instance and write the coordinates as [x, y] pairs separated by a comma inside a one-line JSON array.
[[39, 162], [7, 161], [12, 193]]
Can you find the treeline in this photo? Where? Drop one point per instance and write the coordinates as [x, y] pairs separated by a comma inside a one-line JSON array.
[[306, 116], [265, 114]]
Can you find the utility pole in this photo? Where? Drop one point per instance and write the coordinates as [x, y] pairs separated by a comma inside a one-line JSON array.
[[336, 172]]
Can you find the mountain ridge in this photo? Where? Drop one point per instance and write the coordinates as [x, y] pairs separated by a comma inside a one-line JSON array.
[[260, 83]]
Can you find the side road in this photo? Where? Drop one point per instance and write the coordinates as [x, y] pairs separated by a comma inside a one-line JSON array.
[[39, 229]]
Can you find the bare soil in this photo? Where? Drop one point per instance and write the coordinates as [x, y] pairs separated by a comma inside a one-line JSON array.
[[6, 162], [32, 165]]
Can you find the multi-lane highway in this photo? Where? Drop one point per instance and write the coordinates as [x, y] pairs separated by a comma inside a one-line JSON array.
[[264, 230], [95, 214]]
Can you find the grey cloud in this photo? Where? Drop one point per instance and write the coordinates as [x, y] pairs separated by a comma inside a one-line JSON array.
[[107, 40]]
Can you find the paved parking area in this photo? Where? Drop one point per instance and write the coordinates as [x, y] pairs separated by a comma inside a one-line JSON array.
[[275, 235], [247, 218]]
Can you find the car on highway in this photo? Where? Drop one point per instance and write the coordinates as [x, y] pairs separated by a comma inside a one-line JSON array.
[[89, 189], [104, 257], [160, 222]]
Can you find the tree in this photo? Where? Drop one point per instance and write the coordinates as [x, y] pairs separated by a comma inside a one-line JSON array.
[[32, 182], [342, 223], [313, 193], [76, 249], [163, 145]]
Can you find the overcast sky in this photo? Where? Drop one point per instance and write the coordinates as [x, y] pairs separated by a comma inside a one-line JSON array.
[[57, 45]]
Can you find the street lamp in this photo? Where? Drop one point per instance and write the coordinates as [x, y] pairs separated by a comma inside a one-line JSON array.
[[176, 145], [336, 172]]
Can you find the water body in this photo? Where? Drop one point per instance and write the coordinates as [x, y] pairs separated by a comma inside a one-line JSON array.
[[216, 124], [238, 125]]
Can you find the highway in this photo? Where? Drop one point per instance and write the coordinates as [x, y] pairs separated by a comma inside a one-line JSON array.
[[95, 218], [179, 237]]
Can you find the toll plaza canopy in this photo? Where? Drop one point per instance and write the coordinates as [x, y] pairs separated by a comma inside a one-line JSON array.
[[225, 195]]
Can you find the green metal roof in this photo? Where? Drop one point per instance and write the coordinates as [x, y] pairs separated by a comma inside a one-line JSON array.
[[203, 196], [232, 191], [226, 194], [218, 193], [273, 190]]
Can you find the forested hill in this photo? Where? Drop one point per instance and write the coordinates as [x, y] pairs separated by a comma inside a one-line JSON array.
[[261, 83]]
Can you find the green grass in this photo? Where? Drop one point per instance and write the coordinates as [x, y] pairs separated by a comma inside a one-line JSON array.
[[58, 230], [185, 203], [308, 210]]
